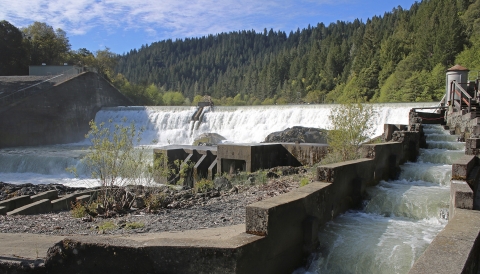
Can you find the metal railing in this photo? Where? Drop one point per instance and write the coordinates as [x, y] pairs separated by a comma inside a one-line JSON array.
[[465, 97], [43, 85]]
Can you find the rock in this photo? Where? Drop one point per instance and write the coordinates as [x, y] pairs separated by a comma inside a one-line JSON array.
[[298, 134], [222, 183], [285, 170], [208, 139], [139, 202], [271, 174]]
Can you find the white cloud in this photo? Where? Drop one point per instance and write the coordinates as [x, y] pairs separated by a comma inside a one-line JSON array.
[[168, 18]]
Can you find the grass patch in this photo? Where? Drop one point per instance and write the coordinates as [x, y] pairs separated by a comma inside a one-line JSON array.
[[134, 225], [109, 225], [304, 182]]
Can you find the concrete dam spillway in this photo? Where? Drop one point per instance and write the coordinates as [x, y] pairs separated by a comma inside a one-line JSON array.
[[394, 205]]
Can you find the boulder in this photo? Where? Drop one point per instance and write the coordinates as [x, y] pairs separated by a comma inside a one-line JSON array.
[[298, 134], [208, 139], [222, 183]]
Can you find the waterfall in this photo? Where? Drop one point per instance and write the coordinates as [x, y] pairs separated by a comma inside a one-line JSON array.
[[246, 124], [173, 125], [399, 220]]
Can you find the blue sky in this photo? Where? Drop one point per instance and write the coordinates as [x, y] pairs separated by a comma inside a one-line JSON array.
[[122, 25]]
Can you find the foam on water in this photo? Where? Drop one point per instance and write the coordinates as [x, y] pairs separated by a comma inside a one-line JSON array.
[[399, 220], [246, 124]]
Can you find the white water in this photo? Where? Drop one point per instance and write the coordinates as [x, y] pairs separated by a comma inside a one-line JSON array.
[[172, 125], [399, 220]]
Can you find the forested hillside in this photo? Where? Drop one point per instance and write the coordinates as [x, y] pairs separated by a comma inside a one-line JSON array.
[[401, 56]]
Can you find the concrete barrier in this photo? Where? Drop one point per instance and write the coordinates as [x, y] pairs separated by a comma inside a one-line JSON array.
[[16, 202], [51, 195], [462, 167], [455, 249], [83, 198], [39, 207], [64, 203], [461, 197]]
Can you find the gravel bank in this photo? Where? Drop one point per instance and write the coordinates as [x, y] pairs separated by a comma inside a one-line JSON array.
[[227, 208]]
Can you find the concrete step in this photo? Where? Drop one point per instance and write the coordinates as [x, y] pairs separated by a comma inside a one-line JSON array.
[[43, 202]]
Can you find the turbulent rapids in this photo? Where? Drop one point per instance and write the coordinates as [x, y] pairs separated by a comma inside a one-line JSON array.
[[399, 219]]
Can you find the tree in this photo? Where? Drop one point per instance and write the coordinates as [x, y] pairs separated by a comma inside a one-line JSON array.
[[46, 45], [173, 98], [12, 50], [351, 126], [105, 62]]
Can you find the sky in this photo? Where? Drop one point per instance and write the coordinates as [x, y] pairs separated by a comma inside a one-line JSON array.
[[122, 25]]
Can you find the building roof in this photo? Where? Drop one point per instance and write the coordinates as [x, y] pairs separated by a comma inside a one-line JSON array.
[[457, 67]]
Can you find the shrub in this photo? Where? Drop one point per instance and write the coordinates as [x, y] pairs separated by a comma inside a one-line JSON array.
[[351, 126], [203, 186], [155, 201], [78, 210], [114, 161]]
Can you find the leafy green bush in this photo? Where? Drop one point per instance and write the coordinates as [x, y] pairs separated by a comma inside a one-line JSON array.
[[351, 126], [203, 186], [78, 210]]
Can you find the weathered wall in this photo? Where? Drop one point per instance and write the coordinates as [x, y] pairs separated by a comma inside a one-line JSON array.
[[60, 114]]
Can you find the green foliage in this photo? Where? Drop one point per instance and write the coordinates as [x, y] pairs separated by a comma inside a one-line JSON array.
[[400, 56], [203, 186], [12, 50], [45, 44], [155, 201], [304, 182], [134, 225], [173, 98], [108, 225], [114, 161], [78, 210], [351, 126]]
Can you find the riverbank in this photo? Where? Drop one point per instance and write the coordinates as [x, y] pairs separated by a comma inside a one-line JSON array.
[[186, 211]]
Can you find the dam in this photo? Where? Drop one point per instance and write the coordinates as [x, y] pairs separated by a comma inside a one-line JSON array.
[[393, 210]]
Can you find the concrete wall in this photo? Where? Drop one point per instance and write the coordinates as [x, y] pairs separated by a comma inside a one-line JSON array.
[[53, 70], [60, 114], [203, 158], [264, 156]]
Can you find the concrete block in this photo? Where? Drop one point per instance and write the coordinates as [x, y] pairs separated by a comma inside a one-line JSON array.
[[39, 207], [65, 203], [16, 202], [51, 195], [462, 167], [83, 198], [455, 249], [3, 210], [472, 143], [461, 196]]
